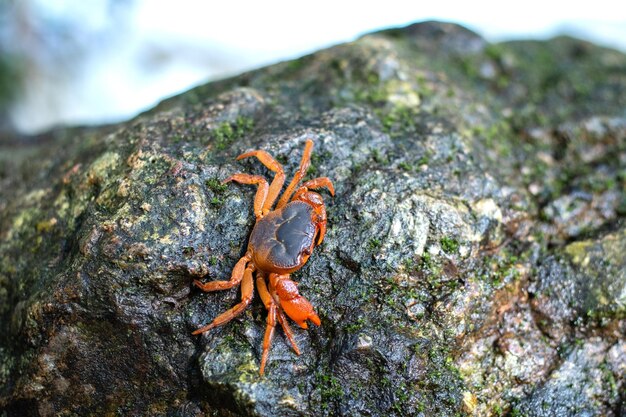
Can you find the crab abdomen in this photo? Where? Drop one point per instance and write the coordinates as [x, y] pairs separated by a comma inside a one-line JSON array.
[[282, 241]]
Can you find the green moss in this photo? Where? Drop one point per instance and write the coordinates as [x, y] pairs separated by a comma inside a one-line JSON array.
[[426, 261], [379, 158], [409, 265], [216, 185], [424, 159], [399, 120], [578, 251], [402, 396], [227, 132], [372, 79], [405, 166], [216, 201], [218, 190], [374, 97], [449, 245], [468, 66], [374, 244], [499, 137], [317, 159], [330, 388], [609, 379], [356, 326], [500, 269]]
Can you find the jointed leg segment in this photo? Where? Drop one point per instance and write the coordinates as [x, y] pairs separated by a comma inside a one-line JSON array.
[[261, 193], [282, 319], [267, 194], [247, 292], [274, 312], [271, 319], [235, 277], [304, 166], [279, 179], [319, 182]]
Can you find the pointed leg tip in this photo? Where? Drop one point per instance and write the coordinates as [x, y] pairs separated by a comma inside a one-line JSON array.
[[330, 187], [294, 346], [315, 319], [244, 155], [202, 330]]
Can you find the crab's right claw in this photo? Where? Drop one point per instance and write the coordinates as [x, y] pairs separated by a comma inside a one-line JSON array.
[[298, 308]]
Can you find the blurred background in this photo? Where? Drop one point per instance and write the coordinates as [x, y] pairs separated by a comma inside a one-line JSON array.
[[67, 62]]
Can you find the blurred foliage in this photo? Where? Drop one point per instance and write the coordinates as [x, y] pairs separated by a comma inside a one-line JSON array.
[[10, 68], [9, 79]]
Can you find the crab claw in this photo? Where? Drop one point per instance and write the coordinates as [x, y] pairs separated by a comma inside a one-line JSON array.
[[294, 305]]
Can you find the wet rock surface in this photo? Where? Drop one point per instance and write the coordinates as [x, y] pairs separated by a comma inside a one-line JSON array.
[[473, 263]]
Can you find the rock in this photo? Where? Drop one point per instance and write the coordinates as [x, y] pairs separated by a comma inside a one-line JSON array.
[[559, 396], [586, 283], [472, 262]]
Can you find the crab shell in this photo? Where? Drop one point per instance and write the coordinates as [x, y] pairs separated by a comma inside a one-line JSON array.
[[282, 241]]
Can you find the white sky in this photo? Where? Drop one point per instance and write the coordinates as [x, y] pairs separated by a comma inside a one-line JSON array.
[[196, 41]]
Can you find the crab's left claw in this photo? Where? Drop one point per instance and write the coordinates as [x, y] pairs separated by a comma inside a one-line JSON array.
[[294, 305]]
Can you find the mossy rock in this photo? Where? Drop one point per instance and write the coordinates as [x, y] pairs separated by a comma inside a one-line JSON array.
[[478, 219]]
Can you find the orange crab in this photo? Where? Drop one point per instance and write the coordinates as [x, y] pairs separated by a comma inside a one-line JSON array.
[[280, 243]]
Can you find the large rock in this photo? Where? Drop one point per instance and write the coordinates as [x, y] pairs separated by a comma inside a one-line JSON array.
[[473, 262]]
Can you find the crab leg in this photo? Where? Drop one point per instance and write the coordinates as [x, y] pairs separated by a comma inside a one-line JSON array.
[[271, 319], [319, 182], [304, 166], [235, 277], [279, 178], [247, 292], [288, 332], [261, 193], [273, 312]]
